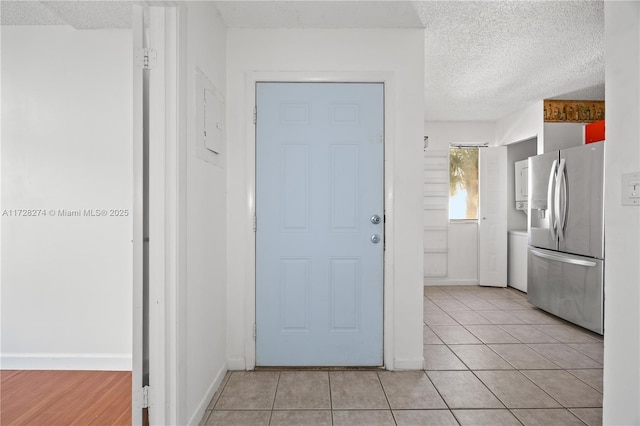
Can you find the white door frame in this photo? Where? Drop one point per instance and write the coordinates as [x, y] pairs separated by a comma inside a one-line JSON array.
[[137, 219], [249, 246], [166, 31]]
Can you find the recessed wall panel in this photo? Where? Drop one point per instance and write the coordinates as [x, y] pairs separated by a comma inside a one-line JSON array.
[[435, 217], [345, 113], [436, 189], [294, 113], [436, 162], [435, 239], [295, 191], [294, 294], [344, 187], [345, 294], [435, 202], [435, 176], [435, 264]]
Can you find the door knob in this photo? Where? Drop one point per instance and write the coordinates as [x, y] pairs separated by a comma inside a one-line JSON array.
[[375, 238], [375, 219]]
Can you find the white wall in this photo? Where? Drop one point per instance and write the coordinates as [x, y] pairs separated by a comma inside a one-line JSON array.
[[559, 136], [622, 223], [462, 255], [522, 125], [443, 133], [203, 280], [66, 144], [397, 54]]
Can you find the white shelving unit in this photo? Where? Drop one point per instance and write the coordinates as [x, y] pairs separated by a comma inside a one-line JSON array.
[[436, 212]]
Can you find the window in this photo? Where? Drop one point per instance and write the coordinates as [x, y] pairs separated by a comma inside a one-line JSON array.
[[463, 183]]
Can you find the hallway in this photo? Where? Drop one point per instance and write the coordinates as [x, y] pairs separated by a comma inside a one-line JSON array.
[[490, 358]]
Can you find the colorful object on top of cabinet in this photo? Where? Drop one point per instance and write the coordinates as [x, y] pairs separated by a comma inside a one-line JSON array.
[[561, 111], [594, 132]]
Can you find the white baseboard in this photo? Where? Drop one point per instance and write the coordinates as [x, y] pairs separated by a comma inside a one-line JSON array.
[[400, 364], [53, 361], [236, 364], [430, 282], [208, 396]]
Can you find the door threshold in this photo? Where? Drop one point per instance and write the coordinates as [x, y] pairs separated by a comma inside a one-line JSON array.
[[299, 368]]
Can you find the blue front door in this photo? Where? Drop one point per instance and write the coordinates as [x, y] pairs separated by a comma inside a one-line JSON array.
[[320, 224]]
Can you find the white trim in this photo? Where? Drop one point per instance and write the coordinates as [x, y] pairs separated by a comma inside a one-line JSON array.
[[158, 210], [430, 282], [172, 132], [389, 161], [165, 127], [137, 218], [236, 363], [208, 396], [61, 361], [408, 364], [179, 363]]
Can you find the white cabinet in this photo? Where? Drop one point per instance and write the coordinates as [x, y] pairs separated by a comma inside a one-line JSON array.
[[517, 269], [521, 184]]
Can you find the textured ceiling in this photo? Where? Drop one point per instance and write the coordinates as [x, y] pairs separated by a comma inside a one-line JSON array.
[[487, 59], [483, 59], [319, 14], [82, 15]]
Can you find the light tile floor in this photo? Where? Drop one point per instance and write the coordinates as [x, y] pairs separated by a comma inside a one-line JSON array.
[[490, 358]]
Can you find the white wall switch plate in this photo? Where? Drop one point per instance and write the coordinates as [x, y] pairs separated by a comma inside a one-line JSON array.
[[631, 189]]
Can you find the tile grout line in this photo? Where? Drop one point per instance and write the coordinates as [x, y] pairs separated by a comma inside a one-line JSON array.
[[514, 415], [536, 326], [330, 397], [386, 397], [564, 344], [225, 381], [441, 397], [515, 369], [456, 355], [555, 399], [585, 354], [588, 384], [275, 394]]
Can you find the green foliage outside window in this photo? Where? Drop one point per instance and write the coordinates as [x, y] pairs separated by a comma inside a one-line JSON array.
[[463, 176]]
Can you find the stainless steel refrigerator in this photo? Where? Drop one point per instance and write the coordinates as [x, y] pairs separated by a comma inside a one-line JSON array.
[[565, 264]]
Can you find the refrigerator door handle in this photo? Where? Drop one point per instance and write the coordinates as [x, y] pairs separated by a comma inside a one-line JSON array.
[[562, 175], [563, 259], [557, 201], [551, 200]]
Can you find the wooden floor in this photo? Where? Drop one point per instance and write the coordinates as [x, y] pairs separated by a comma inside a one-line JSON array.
[[65, 397]]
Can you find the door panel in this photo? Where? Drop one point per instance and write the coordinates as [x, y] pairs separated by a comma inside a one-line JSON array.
[[540, 218], [493, 217], [319, 179], [584, 174]]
